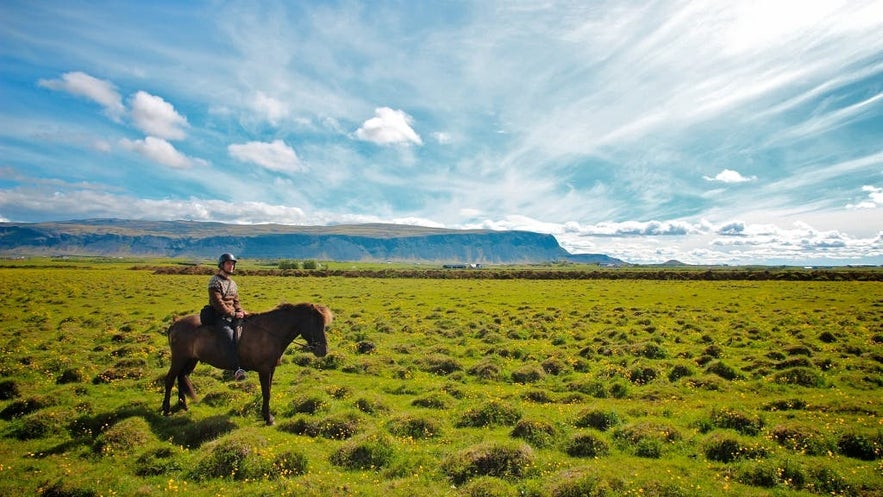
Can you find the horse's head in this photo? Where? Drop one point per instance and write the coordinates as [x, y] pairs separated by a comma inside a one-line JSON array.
[[314, 334]]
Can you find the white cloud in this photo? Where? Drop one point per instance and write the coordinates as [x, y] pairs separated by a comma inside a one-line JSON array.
[[98, 90], [730, 176], [388, 127], [273, 110], [275, 156], [156, 117], [160, 151], [874, 200]]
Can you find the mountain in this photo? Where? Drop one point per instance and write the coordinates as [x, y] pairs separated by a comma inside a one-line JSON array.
[[359, 242]]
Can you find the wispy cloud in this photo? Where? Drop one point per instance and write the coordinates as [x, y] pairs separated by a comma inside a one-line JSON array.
[[275, 156]]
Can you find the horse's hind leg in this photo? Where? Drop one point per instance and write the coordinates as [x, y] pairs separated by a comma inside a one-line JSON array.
[[169, 381], [185, 388]]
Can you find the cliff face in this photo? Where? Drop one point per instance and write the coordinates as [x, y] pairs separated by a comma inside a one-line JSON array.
[[368, 242]]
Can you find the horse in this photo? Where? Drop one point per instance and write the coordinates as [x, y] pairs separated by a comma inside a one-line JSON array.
[[265, 336]]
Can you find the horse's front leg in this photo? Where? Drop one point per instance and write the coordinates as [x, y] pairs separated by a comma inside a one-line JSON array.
[[266, 383]]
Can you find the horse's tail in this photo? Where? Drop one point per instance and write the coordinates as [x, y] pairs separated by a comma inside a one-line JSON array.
[[187, 387]]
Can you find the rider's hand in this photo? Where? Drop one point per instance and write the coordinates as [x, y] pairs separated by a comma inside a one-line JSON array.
[[239, 315]]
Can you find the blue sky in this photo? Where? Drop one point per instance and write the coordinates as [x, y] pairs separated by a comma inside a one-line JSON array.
[[709, 132]]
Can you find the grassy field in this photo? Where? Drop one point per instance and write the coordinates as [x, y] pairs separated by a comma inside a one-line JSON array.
[[550, 388]]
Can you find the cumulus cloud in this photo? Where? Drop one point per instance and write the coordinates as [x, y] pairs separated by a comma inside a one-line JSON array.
[[160, 151], [730, 176], [388, 127], [275, 156], [83, 85], [874, 200], [642, 228], [156, 117]]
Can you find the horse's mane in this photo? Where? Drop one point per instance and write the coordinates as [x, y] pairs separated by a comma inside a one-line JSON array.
[[326, 313]]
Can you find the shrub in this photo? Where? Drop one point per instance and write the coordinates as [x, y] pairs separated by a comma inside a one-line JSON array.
[[770, 474], [433, 400], [537, 433], [487, 369], [736, 420], [651, 350], [642, 375], [491, 413], [598, 419], [237, 457], [824, 480], [538, 396], [370, 452], [72, 375], [678, 372], [9, 390], [586, 445], [578, 483], [800, 438], [65, 489], [370, 406], [158, 461], [310, 404], [332, 361], [414, 427], [554, 366], [634, 433], [723, 370], [724, 448], [37, 425], [785, 405], [804, 377], [488, 486], [619, 390], [365, 347], [22, 407], [527, 374], [595, 389], [499, 460], [123, 437], [336, 427], [290, 463], [860, 446], [441, 365]]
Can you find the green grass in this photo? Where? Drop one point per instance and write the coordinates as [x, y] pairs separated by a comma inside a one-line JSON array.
[[544, 388]]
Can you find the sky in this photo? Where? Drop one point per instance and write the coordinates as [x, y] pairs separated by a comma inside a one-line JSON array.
[[714, 132]]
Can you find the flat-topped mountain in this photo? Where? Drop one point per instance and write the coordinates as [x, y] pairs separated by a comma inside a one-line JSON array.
[[355, 242]]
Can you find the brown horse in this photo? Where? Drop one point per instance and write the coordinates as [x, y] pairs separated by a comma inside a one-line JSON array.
[[265, 337]]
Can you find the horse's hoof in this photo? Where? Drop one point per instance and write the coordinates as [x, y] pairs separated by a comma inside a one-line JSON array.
[[271, 421]]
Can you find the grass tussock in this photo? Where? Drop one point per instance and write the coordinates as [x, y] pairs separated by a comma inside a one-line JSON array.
[[499, 460]]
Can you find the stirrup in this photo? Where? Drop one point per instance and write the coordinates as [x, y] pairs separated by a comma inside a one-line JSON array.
[[239, 375]]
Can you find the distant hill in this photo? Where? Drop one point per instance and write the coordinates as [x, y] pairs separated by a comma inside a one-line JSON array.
[[359, 242]]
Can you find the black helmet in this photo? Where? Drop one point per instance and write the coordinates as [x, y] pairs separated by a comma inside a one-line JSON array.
[[224, 258]]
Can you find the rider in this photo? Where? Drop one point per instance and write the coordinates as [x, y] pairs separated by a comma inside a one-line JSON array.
[[223, 296]]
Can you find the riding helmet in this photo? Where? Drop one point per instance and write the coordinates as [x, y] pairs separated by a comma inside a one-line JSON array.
[[224, 258]]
